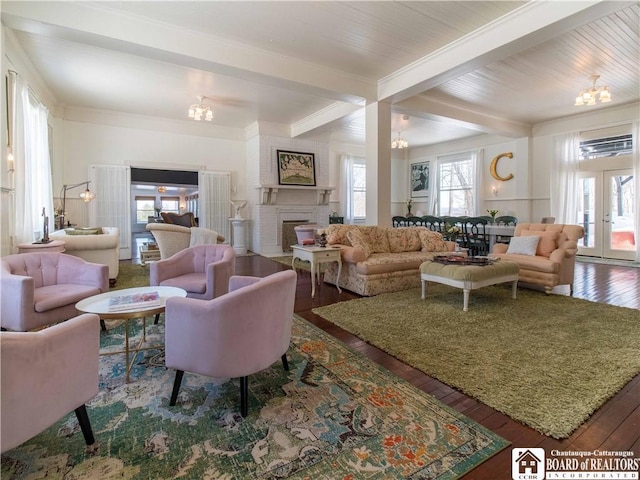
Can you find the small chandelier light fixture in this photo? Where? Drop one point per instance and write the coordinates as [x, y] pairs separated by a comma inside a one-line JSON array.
[[399, 142], [589, 96], [162, 189], [199, 110]]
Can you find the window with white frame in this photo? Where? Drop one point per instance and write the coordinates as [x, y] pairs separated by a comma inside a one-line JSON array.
[[170, 204], [144, 208], [359, 189], [456, 185]]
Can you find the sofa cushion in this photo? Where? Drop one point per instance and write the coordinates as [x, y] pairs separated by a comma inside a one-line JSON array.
[[377, 238], [548, 241], [49, 297], [404, 239], [352, 254], [84, 231], [523, 245], [431, 241], [191, 282], [358, 242], [337, 234], [379, 263]]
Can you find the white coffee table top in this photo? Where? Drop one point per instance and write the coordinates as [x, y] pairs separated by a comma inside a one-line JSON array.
[[99, 304]]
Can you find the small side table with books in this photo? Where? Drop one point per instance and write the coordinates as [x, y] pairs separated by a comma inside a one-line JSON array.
[[130, 304]]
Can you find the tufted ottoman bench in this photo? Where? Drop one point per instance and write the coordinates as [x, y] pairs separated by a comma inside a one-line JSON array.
[[469, 277]]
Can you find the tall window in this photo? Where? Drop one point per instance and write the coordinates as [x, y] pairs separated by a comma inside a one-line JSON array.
[[456, 185], [144, 209], [359, 190], [170, 204]]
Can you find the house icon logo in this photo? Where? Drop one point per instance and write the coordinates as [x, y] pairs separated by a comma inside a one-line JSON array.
[[527, 463]]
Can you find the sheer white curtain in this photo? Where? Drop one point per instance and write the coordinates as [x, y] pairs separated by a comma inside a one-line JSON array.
[[477, 159], [112, 205], [434, 188], [346, 187], [564, 177], [636, 184], [214, 202], [33, 189]]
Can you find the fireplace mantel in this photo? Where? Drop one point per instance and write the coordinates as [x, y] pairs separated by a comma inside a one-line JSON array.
[[268, 194]]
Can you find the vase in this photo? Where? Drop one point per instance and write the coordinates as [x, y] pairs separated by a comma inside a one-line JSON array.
[[322, 240]]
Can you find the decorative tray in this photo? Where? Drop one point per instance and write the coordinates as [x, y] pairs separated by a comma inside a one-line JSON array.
[[462, 260]]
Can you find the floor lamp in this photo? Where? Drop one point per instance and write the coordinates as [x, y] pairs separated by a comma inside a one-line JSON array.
[[87, 196]]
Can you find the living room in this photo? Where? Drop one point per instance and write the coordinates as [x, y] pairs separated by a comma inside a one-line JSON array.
[[120, 100]]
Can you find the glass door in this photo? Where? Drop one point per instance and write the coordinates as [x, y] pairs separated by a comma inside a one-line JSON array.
[[606, 211]]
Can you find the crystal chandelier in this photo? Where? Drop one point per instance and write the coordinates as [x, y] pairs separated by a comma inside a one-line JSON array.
[[199, 110], [399, 142], [590, 95]]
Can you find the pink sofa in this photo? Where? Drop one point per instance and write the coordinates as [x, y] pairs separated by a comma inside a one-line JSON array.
[[380, 259], [39, 289]]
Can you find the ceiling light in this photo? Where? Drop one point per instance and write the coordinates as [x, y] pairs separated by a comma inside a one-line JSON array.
[[199, 110], [589, 96], [399, 142], [162, 189]]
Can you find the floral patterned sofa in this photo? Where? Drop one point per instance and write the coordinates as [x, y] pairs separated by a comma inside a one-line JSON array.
[[380, 259]]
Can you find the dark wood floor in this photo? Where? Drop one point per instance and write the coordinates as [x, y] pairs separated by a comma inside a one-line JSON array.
[[615, 426]]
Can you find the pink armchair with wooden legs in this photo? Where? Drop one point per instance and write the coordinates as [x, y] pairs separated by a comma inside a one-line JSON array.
[[203, 271], [39, 289], [554, 257], [232, 336], [47, 374]]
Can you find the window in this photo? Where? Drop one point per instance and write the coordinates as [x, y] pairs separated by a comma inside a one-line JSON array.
[[359, 190], [144, 209], [170, 204], [455, 185], [606, 147]]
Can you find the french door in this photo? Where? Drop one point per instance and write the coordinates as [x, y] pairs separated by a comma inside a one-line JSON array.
[[606, 210]]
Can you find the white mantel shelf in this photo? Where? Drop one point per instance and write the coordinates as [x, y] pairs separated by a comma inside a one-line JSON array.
[[269, 193]]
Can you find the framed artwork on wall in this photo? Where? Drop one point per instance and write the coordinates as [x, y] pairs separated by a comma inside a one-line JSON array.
[[419, 179], [296, 168]]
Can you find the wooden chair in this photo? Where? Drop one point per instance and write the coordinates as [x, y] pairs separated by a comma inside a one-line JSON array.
[[476, 237], [399, 221], [435, 224]]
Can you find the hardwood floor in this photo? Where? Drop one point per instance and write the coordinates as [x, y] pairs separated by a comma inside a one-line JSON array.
[[615, 426]]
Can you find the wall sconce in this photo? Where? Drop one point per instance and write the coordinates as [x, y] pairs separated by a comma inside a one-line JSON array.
[[495, 190], [11, 161]]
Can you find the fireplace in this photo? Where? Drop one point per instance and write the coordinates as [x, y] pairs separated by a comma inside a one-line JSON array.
[[289, 234]]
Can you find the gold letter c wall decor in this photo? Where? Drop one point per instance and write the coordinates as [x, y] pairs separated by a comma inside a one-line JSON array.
[[494, 166]]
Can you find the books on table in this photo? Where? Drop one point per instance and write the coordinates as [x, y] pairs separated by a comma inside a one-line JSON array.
[[142, 300]]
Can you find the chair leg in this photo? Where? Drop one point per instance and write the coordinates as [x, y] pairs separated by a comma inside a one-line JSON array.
[[285, 362], [244, 396], [155, 322], [176, 387], [85, 424], [103, 326]]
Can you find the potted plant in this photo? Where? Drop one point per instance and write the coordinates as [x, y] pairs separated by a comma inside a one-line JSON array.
[[409, 203], [493, 214]]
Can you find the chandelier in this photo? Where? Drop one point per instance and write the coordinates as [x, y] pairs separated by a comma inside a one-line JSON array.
[[590, 95], [399, 142], [162, 189], [199, 110]]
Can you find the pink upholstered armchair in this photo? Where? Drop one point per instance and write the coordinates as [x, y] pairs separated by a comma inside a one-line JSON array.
[[203, 271], [39, 289], [232, 336], [46, 375]]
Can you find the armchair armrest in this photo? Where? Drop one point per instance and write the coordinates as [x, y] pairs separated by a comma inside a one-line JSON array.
[[500, 248], [16, 287], [237, 282], [59, 362]]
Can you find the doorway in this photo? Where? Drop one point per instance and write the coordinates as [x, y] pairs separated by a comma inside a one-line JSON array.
[[606, 210]]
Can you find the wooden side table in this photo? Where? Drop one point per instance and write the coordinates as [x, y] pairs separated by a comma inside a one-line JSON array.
[[53, 246], [147, 254], [317, 255]]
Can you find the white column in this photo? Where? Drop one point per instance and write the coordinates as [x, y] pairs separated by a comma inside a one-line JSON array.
[[239, 235], [378, 155]]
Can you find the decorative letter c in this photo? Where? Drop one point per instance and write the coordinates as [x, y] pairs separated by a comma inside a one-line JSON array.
[[494, 166]]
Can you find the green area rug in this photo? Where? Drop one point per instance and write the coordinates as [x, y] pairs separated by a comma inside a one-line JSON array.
[[334, 415], [548, 361]]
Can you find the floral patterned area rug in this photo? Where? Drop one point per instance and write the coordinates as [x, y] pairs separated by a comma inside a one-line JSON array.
[[334, 415]]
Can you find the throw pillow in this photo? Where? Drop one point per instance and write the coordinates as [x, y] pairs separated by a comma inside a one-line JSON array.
[[548, 241], [432, 241], [358, 241], [523, 245], [84, 231]]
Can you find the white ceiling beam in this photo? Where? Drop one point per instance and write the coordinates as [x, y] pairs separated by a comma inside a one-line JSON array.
[[428, 108], [109, 29], [335, 114], [528, 25]]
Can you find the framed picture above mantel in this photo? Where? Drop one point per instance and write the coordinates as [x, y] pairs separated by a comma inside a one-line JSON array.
[[296, 168]]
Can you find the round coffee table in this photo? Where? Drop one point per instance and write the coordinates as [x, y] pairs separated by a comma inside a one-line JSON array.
[[99, 304]]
